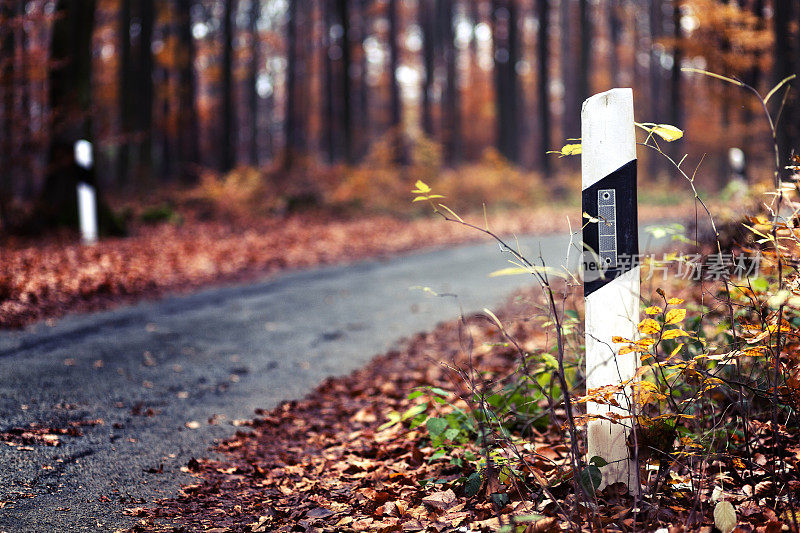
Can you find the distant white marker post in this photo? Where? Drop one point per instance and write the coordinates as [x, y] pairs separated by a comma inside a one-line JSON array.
[[87, 198], [611, 271]]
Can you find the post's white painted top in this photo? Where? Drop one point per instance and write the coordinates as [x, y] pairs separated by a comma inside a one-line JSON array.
[[83, 154], [608, 135]]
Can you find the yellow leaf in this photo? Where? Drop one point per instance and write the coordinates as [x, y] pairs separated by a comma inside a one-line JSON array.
[[667, 132], [570, 149], [673, 334], [674, 316], [648, 326], [627, 349], [645, 392], [675, 301], [617, 339], [653, 310], [419, 199], [510, 271], [421, 187]]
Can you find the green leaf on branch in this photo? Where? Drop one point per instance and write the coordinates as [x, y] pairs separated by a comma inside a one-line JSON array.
[[598, 461], [473, 484], [436, 426], [591, 477]]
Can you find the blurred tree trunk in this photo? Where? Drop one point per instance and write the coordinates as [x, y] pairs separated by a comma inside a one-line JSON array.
[[753, 77], [125, 103], [329, 87], [165, 89], [396, 118], [227, 159], [584, 74], [426, 23], [786, 63], [614, 31], [7, 103], [188, 128], [451, 110], [70, 100], [70, 93], [252, 81], [343, 18], [359, 37], [506, 54], [293, 125], [675, 100], [571, 118], [656, 24], [543, 82], [143, 96]]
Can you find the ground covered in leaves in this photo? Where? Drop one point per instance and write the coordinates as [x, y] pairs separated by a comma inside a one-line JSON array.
[[324, 463], [48, 277]]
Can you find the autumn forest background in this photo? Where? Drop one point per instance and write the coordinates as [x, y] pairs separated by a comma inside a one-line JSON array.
[[341, 104]]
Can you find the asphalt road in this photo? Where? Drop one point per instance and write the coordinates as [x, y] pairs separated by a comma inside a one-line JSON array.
[[148, 370]]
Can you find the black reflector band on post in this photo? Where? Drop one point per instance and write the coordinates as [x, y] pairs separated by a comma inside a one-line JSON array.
[[611, 245]]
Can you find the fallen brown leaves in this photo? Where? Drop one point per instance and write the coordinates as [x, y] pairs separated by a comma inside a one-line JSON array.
[[46, 279], [42, 435], [321, 464]]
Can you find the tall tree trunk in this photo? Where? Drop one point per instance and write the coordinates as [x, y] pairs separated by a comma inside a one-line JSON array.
[[656, 24], [506, 53], [294, 125], [451, 115], [7, 103], [329, 87], [70, 84], [144, 93], [70, 100], [426, 23], [786, 64], [584, 75], [394, 61], [571, 120], [396, 118], [614, 31], [675, 101], [227, 159], [188, 128], [753, 78], [543, 82], [125, 100], [343, 12], [252, 89], [364, 124]]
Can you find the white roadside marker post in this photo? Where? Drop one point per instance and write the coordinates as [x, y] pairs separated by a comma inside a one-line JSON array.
[[87, 212], [611, 271], [87, 198]]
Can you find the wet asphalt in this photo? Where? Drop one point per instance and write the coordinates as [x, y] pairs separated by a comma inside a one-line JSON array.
[[156, 373]]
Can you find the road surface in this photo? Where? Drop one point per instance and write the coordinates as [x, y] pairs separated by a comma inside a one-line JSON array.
[[149, 370]]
